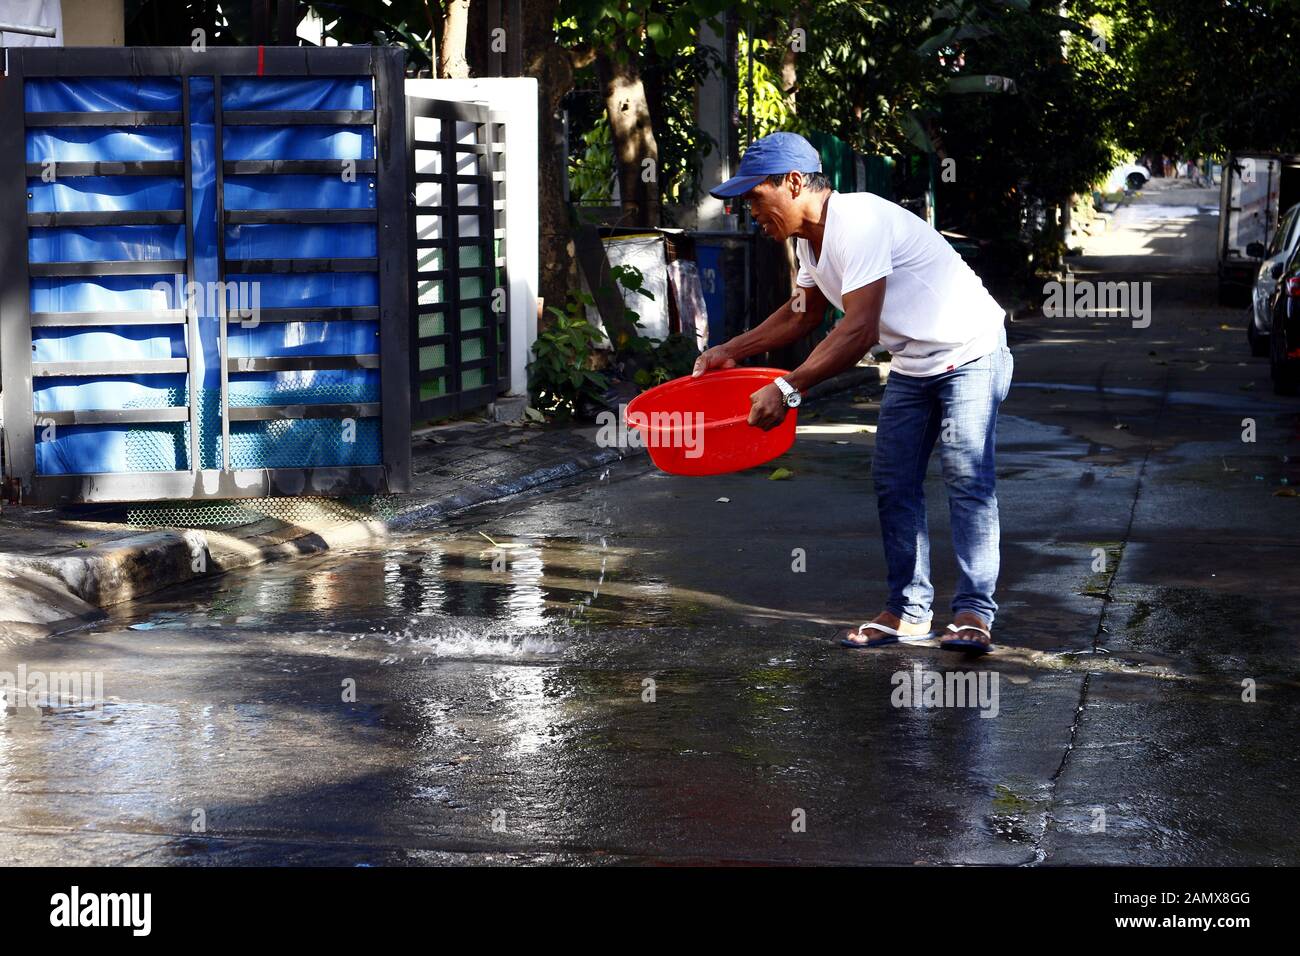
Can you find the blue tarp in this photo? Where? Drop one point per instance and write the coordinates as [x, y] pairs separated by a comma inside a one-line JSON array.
[[151, 447]]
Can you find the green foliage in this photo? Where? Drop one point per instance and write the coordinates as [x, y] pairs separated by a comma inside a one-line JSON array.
[[661, 36], [405, 23], [1202, 77], [653, 362], [633, 28], [1021, 153], [562, 380], [771, 108], [648, 362], [862, 76], [672, 81], [560, 377], [591, 175]]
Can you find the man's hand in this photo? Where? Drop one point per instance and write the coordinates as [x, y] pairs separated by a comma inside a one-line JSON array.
[[767, 407], [717, 357]]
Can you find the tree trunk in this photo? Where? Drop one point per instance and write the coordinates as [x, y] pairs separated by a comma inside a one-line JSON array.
[[553, 70], [790, 61], [452, 64], [790, 87], [634, 139]]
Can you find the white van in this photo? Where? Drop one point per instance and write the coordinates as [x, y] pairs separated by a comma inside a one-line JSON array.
[[1256, 187]]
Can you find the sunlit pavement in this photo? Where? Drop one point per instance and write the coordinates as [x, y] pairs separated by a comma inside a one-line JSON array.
[[634, 670]]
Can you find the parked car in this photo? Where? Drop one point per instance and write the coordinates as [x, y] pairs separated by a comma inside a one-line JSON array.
[[1275, 255], [1127, 176], [1284, 330]]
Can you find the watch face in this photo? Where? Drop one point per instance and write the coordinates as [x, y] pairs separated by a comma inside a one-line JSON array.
[[793, 399]]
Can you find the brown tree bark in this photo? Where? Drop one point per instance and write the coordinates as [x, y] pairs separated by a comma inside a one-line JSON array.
[[634, 138], [790, 87], [451, 55], [790, 60], [552, 67]]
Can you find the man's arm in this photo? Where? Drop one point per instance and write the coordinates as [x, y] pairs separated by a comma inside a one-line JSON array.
[[848, 341], [786, 325]]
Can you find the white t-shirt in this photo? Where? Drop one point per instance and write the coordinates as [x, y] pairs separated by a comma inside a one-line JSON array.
[[937, 314]]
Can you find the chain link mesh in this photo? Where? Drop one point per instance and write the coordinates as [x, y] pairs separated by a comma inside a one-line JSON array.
[[304, 512]]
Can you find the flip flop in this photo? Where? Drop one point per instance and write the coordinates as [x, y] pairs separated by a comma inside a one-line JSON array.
[[965, 643], [888, 635]]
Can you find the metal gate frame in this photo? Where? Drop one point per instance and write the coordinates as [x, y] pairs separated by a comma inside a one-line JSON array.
[[489, 176], [385, 65]]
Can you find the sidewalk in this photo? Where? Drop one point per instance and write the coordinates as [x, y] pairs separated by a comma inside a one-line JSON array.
[[60, 567]]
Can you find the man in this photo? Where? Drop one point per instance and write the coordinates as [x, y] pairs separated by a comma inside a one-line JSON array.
[[898, 283]]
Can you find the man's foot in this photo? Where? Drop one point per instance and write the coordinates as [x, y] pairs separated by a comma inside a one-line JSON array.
[[864, 636], [968, 632]]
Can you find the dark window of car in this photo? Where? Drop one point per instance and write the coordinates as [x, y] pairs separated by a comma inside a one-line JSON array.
[[1283, 227]]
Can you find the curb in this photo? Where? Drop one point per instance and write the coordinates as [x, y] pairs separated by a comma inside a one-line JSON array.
[[485, 493], [37, 604], [47, 594]]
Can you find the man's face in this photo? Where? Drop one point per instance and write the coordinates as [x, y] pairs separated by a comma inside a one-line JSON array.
[[774, 207]]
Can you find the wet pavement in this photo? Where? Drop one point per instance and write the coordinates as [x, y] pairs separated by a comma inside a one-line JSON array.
[[635, 669]]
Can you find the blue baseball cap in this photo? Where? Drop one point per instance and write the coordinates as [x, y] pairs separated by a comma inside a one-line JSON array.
[[773, 154]]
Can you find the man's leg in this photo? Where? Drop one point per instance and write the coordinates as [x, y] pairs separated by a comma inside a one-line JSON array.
[[905, 435], [970, 397]]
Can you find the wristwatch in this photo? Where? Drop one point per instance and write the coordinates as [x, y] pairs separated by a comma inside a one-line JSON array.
[[790, 393]]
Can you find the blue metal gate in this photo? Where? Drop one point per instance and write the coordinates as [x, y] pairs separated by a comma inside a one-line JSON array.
[[215, 299]]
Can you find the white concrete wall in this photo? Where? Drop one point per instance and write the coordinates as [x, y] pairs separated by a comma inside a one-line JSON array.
[[516, 98]]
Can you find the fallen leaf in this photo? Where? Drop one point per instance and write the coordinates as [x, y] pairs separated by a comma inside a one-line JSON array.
[[1286, 493], [780, 474]]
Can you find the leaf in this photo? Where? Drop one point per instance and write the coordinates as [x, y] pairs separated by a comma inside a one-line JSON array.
[[781, 474], [657, 29]]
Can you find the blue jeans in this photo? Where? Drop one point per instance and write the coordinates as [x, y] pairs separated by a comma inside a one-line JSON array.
[[959, 409]]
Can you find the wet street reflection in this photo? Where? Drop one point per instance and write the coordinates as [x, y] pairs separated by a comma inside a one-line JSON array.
[[631, 668]]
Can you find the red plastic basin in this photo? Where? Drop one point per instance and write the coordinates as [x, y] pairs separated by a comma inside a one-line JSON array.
[[700, 426]]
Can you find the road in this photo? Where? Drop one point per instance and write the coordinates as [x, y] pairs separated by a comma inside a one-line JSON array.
[[637, 670]]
